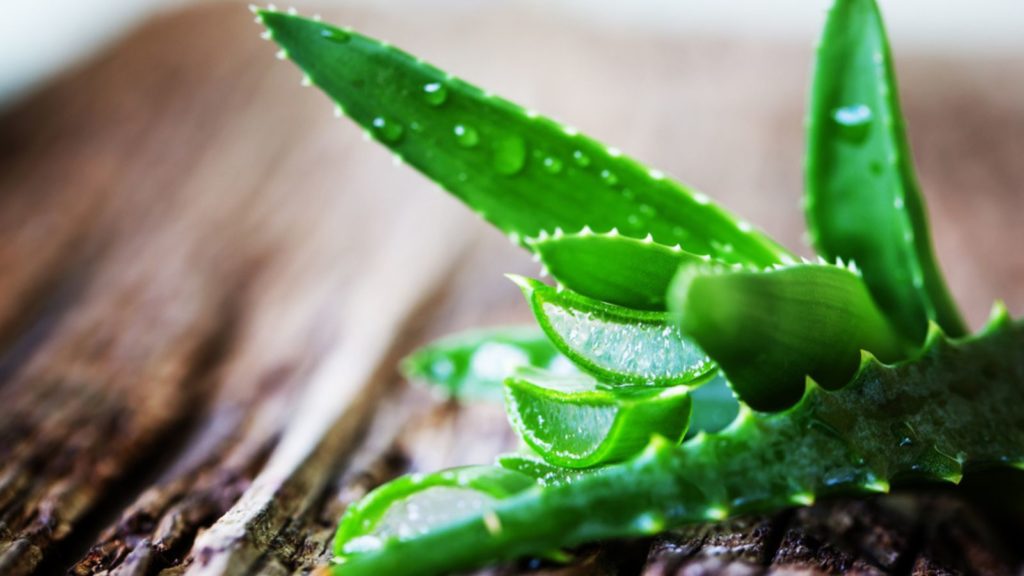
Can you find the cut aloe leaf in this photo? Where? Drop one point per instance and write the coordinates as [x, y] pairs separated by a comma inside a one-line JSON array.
[[618, 345], [770, 330], [413, 505], [611, 267], [529, 463], [568, 421], [522, 172], [863, 201], [474, 364]]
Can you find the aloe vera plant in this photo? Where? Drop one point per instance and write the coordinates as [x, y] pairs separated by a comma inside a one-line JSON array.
[[846, 375]]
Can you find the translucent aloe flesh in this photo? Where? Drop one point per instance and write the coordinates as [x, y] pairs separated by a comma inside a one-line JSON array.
[[414, 505], [618, 345], [938, 419], [522, 172], [570, 422], [863, 201], [474, 364], [769, 330]]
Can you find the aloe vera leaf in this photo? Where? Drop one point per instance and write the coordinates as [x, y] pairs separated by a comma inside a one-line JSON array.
[[412, 505], [568, 421], [529, 463], [522, 172], [714, 406], [863, 201], [610, 267], [474, 364], [618, 345], [770, 330], [955, 407]]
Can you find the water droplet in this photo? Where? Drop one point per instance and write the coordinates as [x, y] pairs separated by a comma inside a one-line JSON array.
[[647, 210], [905, 434], [609, 177], [335, 35], [387, 130], [854, 122], [435, 93], [552, 164], [466, 136], [581, 158], [634, 220], [509, 155]]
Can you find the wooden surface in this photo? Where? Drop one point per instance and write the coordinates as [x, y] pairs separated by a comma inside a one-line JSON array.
[[206, 282]]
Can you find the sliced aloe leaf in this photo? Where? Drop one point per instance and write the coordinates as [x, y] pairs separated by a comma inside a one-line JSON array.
[[863, 201], [618, 345], [413, 505], [770, 330], [473, 364], [522, 172], [611, 267], [528, 462], [568, 421]]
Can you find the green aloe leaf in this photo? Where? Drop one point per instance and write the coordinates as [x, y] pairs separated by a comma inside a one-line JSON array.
[[474, 364], [618, 345], [413, 505], [568, 421], [522, 172], [610, 267], [770, 330], [714, 406], [863, 202], [529, 463], [890, 424]]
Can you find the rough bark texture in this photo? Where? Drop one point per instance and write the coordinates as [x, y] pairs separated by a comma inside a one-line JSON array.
[[206, 283]]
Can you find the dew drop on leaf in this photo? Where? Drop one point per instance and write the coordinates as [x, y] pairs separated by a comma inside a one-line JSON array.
[[435, 93], [609, 177], [581, 158], [552, 165], [854, 122], [387, 130], [466, 136], [335, 35], [509, 155]]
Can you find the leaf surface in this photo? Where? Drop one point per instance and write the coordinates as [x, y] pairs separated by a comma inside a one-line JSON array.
[[522, 172], [863, 202], [769, 330], [612, 268]]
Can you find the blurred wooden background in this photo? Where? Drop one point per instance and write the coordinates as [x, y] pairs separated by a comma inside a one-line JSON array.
[[206, 282]]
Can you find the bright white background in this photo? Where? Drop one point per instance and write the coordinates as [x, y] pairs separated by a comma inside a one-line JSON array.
[[39, 37]]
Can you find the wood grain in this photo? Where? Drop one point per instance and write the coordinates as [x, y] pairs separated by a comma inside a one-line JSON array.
[[206, 282]]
